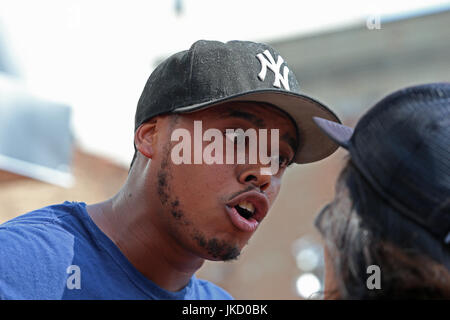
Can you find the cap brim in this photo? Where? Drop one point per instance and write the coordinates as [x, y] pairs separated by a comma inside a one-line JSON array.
[[335, 131], [314, 144]]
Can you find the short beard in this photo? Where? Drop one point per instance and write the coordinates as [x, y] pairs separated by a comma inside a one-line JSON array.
[[216, 248]]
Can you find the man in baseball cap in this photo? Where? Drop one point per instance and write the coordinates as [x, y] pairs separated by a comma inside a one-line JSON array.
[[390, 219], [192, 192]]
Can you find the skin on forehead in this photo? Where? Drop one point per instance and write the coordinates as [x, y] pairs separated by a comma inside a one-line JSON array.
[[260, 123], [251, 112]]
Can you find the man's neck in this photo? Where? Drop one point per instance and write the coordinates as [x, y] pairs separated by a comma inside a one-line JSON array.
[[151, 250]]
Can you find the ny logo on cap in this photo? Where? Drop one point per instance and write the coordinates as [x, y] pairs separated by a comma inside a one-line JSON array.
[[269, 61]]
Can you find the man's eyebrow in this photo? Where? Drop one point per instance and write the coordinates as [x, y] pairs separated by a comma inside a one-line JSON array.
[[291, 141], [247, 116]]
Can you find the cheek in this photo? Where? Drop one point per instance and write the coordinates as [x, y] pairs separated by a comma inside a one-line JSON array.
[[205, 183]]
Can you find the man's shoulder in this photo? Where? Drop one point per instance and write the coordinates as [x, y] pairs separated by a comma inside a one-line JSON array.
[[33, 247], [39, 229], [63, 217], [207, 290], [42, 216]]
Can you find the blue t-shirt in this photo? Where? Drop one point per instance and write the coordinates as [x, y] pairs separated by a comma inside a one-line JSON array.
[[58, 252]]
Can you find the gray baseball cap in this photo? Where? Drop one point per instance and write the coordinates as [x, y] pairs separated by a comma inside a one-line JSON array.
[[212, 72]]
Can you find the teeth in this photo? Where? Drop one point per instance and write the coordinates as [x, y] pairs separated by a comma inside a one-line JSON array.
[[247, 205]]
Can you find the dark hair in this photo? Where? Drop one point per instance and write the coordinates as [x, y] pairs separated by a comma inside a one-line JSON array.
[[360, 229]]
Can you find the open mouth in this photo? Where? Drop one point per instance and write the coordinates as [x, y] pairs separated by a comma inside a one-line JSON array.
[[245, 209]]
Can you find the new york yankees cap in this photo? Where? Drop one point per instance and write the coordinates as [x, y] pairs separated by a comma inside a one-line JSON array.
[[213, 72], [401, 146]]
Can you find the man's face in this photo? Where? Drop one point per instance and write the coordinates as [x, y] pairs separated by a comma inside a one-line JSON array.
[[202, 205]]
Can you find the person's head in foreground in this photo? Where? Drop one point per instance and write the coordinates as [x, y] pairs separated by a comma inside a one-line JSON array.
[[391, 211], [187, 199]]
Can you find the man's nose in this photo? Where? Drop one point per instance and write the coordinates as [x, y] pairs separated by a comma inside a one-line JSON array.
[[253, 176]]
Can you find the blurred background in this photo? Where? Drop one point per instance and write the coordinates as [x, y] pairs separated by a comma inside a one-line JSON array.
[[71, 73]]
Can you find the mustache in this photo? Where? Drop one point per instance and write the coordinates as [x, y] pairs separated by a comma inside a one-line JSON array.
[[249, 188]]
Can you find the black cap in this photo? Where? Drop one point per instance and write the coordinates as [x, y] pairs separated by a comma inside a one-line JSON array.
[[402, 147], [212, 72]]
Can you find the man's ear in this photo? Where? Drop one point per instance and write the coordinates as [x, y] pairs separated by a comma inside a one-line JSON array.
[[145, 138]]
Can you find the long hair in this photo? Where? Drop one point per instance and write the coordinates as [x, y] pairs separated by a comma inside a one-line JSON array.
[[360, 229]]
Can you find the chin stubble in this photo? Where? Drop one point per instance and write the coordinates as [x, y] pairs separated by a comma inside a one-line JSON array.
[[218, 249]]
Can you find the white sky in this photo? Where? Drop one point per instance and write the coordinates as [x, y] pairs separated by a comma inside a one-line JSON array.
[[97, 55]]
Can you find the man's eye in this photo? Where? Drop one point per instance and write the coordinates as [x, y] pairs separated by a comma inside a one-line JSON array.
[[232, 136], [236, 137]]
